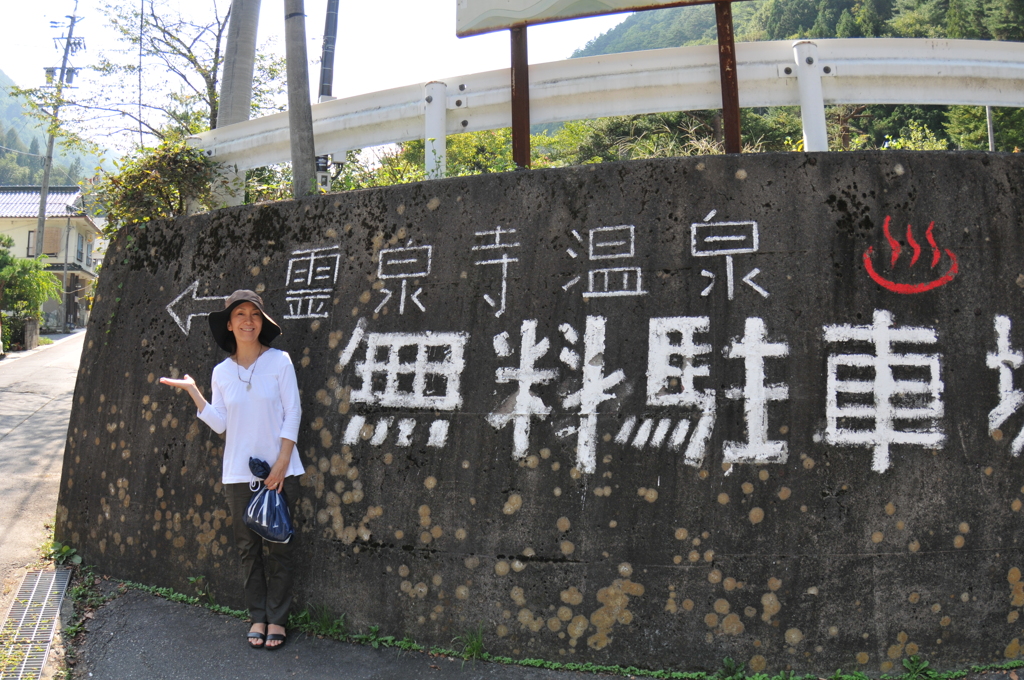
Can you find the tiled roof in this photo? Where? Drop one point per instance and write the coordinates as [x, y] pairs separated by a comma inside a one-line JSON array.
[[24, 201]]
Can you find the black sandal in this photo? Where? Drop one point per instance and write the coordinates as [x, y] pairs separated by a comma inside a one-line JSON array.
[[253, 635], [275, 637]]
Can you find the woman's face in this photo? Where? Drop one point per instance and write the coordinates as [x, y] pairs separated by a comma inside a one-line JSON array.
[[246, 322]]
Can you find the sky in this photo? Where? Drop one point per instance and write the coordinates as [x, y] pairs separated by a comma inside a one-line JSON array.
[[381, 43]]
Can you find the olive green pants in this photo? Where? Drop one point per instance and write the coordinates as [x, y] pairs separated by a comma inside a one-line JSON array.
[[267, 577]]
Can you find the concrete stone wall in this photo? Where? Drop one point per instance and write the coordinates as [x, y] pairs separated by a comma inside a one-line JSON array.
[[655, 413]]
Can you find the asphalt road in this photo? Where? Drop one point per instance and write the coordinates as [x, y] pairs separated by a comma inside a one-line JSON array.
[[35, 404], [142, 636]]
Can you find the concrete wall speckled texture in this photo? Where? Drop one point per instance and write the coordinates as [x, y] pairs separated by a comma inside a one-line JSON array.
[[654, 413]]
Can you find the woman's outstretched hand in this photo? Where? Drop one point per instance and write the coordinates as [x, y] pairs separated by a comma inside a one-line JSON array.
[[183, 383], [189, 385]]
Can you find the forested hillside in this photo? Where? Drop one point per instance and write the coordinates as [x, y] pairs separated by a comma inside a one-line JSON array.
[[940, 127], [23, 147], [797, 19]]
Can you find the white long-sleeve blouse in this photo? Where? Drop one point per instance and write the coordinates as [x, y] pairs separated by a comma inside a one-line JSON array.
[[257, 419]]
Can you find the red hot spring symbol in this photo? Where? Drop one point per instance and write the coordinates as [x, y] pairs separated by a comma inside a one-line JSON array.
[[896, 248]]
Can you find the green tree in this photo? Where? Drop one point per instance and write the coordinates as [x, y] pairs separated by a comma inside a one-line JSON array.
[[12, 141], [7, 274], [24, 284], [74, 171], [11, 173], [829, 14], [978, 18], [482, 152], [33, 161], [967, 127], [848, 26], [566, 145], [1005, 19], [785, 19], [917, 137], [162, 182], [918, 19], [958, 20], [871, 17], [274, 182]]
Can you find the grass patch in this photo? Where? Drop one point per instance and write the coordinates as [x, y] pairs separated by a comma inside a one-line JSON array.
[[472, 643], [202, 588], [373, 638], [174, 596], [318, 620]]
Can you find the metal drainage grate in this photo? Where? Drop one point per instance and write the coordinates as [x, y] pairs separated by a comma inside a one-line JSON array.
[[28, 629]]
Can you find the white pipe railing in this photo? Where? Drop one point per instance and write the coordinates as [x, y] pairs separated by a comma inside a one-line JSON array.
[[845, 71]]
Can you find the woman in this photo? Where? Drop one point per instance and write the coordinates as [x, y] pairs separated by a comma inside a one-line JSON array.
[[256, 401]]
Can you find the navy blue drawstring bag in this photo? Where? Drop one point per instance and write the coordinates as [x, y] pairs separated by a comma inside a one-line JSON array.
[[267, 513]]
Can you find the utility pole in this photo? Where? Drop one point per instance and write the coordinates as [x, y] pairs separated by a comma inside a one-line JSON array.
[[71, 45], [327, 57], [323, 163], [64, 279], [300, 114]]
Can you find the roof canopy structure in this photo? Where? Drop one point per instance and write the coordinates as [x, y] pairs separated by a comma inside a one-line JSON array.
[[23, 201]]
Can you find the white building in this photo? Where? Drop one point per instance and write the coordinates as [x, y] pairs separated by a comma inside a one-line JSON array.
[[71, 243]]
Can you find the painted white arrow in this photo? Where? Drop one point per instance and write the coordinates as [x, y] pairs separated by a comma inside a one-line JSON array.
[[185, 324]]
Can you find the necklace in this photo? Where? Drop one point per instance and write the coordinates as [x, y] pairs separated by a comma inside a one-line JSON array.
[[251, 369]]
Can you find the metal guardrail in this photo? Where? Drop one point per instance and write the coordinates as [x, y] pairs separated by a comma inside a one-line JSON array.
[[809, 74]]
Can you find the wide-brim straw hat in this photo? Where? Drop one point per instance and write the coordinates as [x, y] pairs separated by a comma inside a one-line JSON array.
[[219, 320]]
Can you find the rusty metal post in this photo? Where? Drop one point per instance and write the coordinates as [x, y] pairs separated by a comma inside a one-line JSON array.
[[730, 82], [520, 98]]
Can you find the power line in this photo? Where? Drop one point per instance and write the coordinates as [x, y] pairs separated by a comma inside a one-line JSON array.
[[23, 153], [21, 127], [59, 168]]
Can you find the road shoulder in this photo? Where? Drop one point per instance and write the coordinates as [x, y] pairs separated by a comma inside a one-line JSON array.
[[58, 338]]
